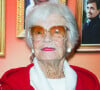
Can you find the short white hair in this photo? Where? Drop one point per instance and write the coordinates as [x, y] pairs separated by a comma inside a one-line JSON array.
[[43, 11]]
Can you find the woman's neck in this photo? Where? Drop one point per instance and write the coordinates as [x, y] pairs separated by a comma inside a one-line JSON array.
[[52, 69]]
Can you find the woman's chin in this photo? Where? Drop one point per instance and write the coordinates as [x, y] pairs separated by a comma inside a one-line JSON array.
[[48, 58], [49, 55]]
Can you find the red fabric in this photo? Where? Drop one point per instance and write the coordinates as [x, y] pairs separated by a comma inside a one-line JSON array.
[[18, 79]]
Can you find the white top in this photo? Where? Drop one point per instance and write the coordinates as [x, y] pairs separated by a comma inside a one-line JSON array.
[[57, 84], [39, 81]]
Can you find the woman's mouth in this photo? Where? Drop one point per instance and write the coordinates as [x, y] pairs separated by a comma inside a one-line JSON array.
[[48, 49]]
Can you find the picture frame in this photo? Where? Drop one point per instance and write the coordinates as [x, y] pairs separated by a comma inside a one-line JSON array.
[[20, 19], [79, 17], [2, 27]]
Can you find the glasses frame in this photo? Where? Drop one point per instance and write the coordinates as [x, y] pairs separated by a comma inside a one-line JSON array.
[[48, 30]]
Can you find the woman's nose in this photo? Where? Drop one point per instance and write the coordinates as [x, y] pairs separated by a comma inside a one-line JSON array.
[[47, 37]]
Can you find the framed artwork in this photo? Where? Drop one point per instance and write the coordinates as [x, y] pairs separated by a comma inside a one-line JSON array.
[[22, 6], [91, 45], [2, 27]]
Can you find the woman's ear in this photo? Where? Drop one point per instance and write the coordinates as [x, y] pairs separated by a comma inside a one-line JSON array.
[[68, 44], [69, 47], [69, 50]]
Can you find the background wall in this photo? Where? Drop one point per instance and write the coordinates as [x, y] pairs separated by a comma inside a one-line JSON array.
[[17, 53]]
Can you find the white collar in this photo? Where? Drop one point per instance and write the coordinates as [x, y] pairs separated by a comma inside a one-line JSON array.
[[39, 81]]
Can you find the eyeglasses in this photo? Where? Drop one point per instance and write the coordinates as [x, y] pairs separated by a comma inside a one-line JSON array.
[[38, 32]]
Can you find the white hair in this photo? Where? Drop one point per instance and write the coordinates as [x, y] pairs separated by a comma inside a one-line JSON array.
[[43, 11], [32, 5]]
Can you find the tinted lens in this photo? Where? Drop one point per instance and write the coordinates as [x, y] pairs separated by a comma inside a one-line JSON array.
[[37, 32], [58, 31]]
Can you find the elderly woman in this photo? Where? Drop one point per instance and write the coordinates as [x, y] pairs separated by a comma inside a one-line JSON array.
[[51, 33]]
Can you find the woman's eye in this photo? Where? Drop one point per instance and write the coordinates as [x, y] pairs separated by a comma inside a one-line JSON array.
[[57, 31], [38, 32]]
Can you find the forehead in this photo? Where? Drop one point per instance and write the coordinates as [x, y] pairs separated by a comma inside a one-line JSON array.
[[51, 20], [92, 5]]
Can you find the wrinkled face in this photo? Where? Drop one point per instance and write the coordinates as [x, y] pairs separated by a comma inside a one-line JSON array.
[[92, 10], [49, 38]]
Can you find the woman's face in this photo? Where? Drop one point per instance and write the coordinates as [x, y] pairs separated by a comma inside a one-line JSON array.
[[49, 42]]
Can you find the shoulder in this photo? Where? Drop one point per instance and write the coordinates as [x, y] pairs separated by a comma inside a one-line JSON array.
[[17, 71], [16, 77], [97, 21], [86, 79]]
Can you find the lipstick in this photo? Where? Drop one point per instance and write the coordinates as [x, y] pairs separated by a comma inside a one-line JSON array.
[[48, 49]]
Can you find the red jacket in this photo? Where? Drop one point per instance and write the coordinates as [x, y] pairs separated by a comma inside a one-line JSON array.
[[19, 79]]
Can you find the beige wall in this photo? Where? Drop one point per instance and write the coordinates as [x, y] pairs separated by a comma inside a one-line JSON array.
[[17, 53]]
